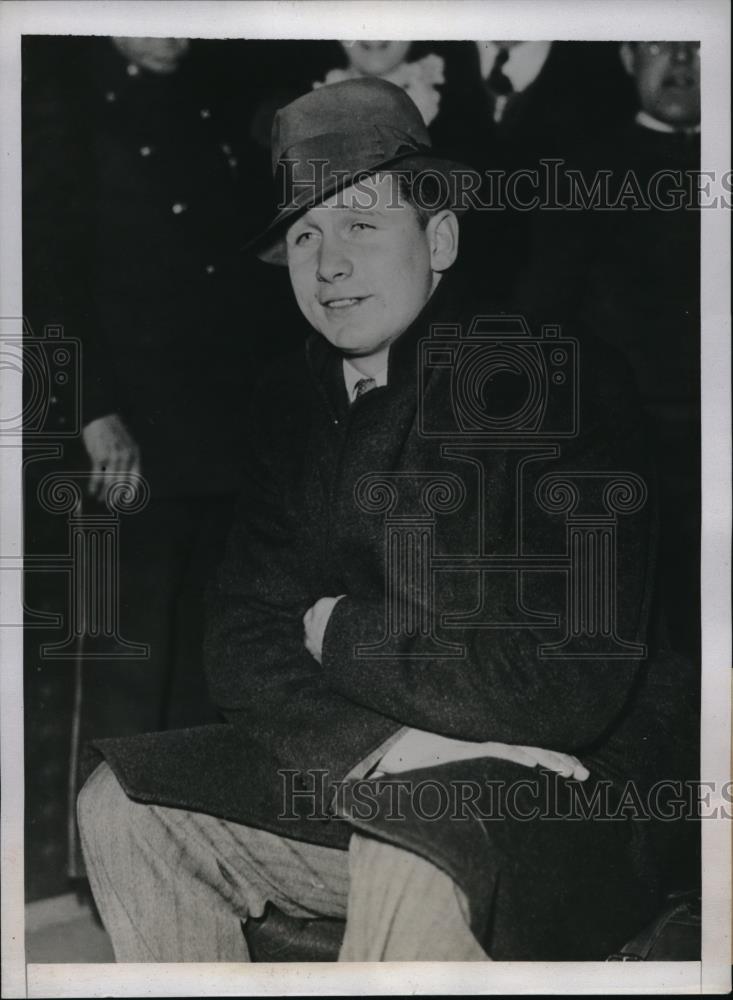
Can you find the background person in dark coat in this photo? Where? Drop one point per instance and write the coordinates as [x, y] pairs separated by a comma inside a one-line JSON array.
[[547, 96], [631, 275], [177, 335], [546, 99], [303, 557], [58, 177], [181, 334]]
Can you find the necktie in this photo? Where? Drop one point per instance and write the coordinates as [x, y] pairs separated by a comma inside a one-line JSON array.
[[498, 82], [362, 386]]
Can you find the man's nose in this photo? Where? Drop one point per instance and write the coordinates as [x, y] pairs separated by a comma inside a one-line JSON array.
[[334, 263]]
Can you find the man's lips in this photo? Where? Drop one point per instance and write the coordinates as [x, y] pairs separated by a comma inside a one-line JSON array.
[[681, 81], [343, 302]]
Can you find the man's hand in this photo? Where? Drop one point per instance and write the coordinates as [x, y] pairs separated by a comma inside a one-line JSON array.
[[314, 621], [417, 748], [112, 451]]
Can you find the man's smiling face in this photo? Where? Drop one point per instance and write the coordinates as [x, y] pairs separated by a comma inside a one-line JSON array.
[[362, 266]]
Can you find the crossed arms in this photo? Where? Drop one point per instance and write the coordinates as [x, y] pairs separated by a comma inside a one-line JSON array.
[[416, 748]]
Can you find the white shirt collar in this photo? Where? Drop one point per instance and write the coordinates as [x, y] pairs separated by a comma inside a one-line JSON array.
[[525, 61], [352, 375], [646, 120]]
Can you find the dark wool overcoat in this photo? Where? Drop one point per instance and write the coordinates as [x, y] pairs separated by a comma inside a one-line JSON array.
[[310, 525]]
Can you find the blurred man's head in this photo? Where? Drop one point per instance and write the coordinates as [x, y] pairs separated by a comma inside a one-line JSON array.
[[375, 58], [364, 262], [157, 55], [667, 78]]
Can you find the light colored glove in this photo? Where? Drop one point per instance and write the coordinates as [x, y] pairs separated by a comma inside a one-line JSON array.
[[417, 748], [314, 622], [113, 452]]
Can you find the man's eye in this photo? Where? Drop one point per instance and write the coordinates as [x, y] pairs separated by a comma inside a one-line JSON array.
[[361, 226], [303, 238]]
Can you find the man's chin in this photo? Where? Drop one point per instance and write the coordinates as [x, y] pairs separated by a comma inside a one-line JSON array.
[[352, 342], [358, 350], [679, 110]]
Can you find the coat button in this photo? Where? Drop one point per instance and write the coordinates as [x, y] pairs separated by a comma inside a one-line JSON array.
[[146, 150], [133, 70], [226, 148], [232, 161], [110, 96], [177, 207], [210, 269], [205, 113]]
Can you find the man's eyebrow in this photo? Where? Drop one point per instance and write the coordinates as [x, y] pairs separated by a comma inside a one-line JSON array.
[[308, 220], [363, 209], [304, 220]]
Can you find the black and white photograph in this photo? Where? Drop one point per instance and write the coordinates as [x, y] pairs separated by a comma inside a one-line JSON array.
[[366, 498]]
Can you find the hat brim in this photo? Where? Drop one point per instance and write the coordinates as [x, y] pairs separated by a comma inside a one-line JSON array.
[[269, 245]]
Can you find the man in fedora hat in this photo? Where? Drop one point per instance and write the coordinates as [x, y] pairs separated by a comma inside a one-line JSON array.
[[188, 834]]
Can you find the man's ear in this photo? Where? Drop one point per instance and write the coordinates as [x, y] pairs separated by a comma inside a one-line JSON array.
[[442, 232], [626, 52]]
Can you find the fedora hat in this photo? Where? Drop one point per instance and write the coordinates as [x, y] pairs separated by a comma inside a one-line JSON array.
[[331, 136]]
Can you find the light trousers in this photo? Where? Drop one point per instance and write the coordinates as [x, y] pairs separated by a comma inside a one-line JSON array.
[[175, 886]]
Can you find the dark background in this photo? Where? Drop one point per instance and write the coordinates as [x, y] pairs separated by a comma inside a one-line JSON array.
[[103, 258]]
